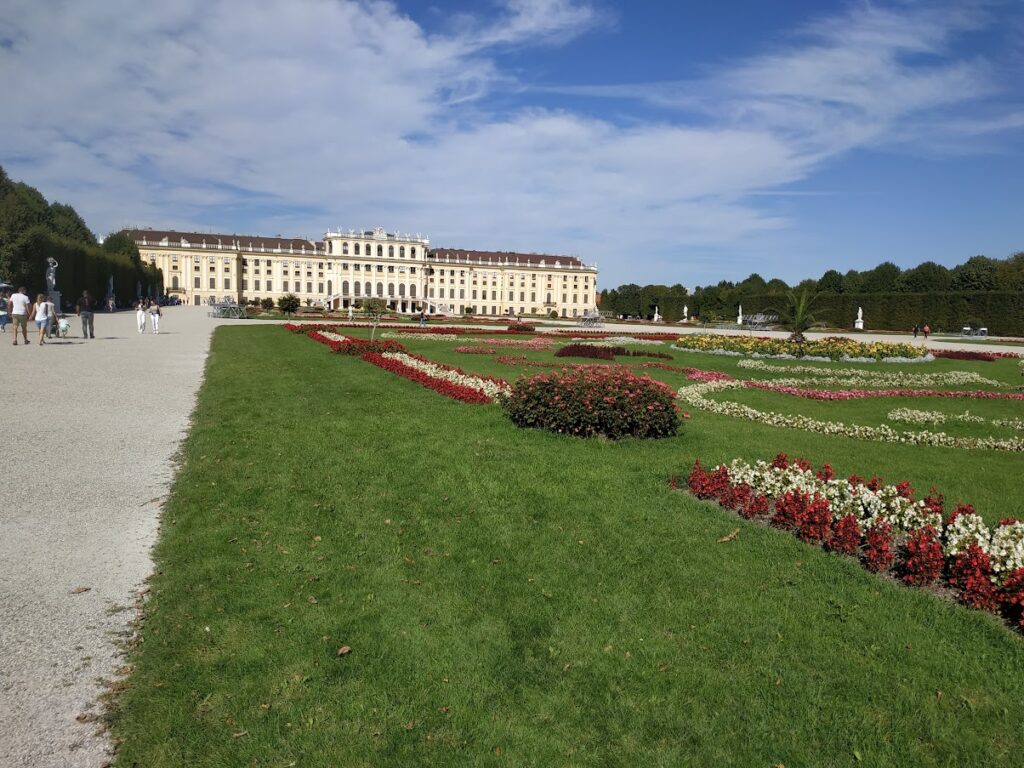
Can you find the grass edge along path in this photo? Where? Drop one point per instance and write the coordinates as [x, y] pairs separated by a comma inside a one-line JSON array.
[[511, 597]]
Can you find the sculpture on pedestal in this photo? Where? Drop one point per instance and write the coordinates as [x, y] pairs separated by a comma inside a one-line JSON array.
[[739, 316], [859, 322]]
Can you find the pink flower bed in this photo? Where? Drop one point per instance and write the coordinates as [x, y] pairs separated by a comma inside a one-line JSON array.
[[858, 394], [694, 374], [882, 525]]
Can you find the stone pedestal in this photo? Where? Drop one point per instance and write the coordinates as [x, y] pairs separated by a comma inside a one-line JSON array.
[[54, 296], [858, 324]]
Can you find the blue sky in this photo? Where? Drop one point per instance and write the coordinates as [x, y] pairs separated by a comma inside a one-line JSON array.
[[668, 142]]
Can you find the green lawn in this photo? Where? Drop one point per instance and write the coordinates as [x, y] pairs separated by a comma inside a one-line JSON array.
[[519, 598]]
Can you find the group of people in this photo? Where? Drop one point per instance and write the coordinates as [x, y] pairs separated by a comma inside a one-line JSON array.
[[19, 310], [147, 308], [925, 329]]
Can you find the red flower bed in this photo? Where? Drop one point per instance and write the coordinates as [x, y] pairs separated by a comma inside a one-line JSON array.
[[695, 374], [922, 561], [971, 574], [350, 346], [587, 350], [476, 350], [961, 354], [605, 335], [588, 401], [858, 394], [918, 554], [446, 388]]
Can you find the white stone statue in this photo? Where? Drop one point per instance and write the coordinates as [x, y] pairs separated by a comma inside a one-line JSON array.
[[859, 322], [657, 317], [739, 316], [51, 274], [860, 313], [686, 313]]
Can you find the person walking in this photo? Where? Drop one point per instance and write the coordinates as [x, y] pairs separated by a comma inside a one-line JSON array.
[[154, 316], [84, 309], [17, 308], [926, 330], [140, 316], [41, 315], [916, 329], [51, 319]]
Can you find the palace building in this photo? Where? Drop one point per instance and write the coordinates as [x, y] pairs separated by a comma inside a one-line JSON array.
[[349, 266]]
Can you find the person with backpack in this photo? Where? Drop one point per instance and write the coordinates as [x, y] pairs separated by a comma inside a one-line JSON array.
[[84, 309]]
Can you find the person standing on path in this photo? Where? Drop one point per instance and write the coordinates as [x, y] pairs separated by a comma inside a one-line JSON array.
[[926, 330], [17, 307], [41, 315], [84, 310], [154, 316], [140, 316]]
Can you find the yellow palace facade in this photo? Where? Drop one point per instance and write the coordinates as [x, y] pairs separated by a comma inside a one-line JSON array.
[[348, 266]]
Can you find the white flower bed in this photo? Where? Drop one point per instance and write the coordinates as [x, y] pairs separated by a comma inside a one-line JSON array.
[[421, 336], [333, 336], [695, 395], [1004, 545], [808, 358], [857, 376], [490, 388], [618, 341], [914, 416], [1017, 424]]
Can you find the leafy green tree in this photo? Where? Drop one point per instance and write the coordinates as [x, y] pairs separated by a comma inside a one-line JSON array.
[[66, 222], [928, 277], [374, 309], [289, 304], [775, 285], [266, 303], [881, 279], [831, 282], [978, 273], [853, 282], [121, 243]]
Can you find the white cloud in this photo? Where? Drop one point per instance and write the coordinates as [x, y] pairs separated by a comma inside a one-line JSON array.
[[291, 117]]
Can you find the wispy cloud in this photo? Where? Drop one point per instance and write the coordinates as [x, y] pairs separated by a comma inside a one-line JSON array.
[[212, 113]]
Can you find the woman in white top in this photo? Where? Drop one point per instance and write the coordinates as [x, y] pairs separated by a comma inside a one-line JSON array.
[[154, 316], [140, 316], [41, 314]]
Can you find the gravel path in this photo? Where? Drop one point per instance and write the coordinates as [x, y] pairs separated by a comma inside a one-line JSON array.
[[91, 429]]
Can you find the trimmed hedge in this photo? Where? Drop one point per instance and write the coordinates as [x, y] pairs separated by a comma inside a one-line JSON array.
[[1002, 312], [81, 267]]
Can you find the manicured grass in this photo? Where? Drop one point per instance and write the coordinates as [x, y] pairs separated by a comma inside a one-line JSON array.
[[518, 598]]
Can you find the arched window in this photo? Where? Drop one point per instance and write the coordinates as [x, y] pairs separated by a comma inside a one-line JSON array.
[[380, 251], [344, 248], [412, 251], [391, 251], [380, 289], [401, 251], [344, 288], [356, 249], [401, 290], [391, 289], [412, 291], [174, 281], [369, 290]]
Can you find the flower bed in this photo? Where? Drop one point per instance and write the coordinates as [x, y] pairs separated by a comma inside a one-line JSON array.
[[445, 387], [587, 350], [417, 335], [860, 394], [881, 524], [829, 348], [695, 395], [618, 341], [583, 334], [476, 350], [518, 327], [488, 386], [589, 401], [347, 345], [965, 354], [854, 376]]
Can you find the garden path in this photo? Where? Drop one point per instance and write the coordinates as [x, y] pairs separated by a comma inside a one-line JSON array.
[[92, 428]]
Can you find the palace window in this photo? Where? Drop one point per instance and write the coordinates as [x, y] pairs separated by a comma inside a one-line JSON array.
[[356, 251], [309, 287], [401, 251], [269, 288], [213, 283], [391, 251]]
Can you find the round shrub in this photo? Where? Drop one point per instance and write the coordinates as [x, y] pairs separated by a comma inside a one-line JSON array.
[[585, 402], [517, 327]]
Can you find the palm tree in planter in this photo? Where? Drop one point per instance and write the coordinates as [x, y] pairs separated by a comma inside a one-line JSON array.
[[795, 316]]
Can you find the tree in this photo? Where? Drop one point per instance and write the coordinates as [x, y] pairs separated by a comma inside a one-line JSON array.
[[795, 315], [266, 303], [66, 222], [831, 282], [374, 309], [775, 285], [928, 277], [289, 303], [881, 279], [978, 273], [121, 243]]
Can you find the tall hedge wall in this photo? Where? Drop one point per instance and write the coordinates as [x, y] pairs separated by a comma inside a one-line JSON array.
[[1002, 312], [81, 267]]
